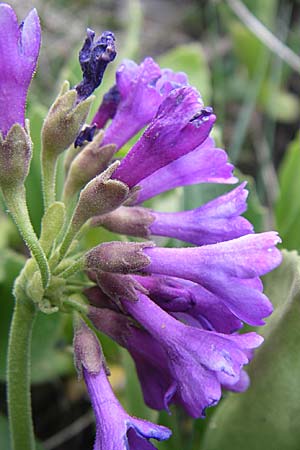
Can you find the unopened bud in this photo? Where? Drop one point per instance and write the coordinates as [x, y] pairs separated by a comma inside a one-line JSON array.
[[89, 163], [15, 157], [118, 257], [87, 350], [100, 196], [132, 221], [64, 121]]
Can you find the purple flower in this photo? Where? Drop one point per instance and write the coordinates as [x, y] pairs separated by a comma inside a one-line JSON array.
[[205, 164], [229, 270], [115, 429], [134, 101], [191, 302], [180, 125], [175, 362], [216, 221], [19, 50], [198, 360]]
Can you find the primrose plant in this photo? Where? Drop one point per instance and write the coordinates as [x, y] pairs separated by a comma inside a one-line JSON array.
[[176, 310]]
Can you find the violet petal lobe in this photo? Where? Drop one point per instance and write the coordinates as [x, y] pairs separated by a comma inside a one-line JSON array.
[[216, 221], [19, 49], [141, 88]]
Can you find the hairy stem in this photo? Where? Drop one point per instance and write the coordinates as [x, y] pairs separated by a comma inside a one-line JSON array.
[[16, 202], [18, 376]]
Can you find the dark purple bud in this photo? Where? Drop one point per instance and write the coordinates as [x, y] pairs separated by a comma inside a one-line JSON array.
[[118, 257], [94, 57], [108, 107], [85, 135]]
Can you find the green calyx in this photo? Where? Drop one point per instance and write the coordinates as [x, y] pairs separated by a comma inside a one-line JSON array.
[[15, 156], [64, 120]]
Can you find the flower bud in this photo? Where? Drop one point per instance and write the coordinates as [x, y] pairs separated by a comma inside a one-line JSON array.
[[89, 163], [101, 195], [64, 120], [120, 257], [15, 157]]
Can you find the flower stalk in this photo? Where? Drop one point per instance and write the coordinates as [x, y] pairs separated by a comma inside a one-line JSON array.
[[18, 376], [15, 200]]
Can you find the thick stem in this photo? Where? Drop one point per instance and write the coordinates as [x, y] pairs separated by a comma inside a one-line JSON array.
[[16, 202], [49, 164], [18, 376]]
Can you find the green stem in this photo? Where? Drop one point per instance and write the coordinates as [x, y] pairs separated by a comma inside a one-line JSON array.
[[18, 376], [16, 202], [49, 164]]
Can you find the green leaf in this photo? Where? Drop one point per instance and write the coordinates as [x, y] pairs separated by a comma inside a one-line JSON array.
[[190, 59], [266, 416], [287, 208], [279, 104]]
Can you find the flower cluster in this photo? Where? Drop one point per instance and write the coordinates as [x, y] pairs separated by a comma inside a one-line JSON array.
[[176, 310]]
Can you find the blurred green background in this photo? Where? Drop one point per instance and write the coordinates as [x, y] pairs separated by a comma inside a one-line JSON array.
[[252, 79]]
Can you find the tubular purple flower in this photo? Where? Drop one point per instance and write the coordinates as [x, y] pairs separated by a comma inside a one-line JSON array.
[[19, 50], [115, 429], [180, 125], [216, 221], [188, 300], [205, 164], [195, 357], [139, 91], [229, 270]]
